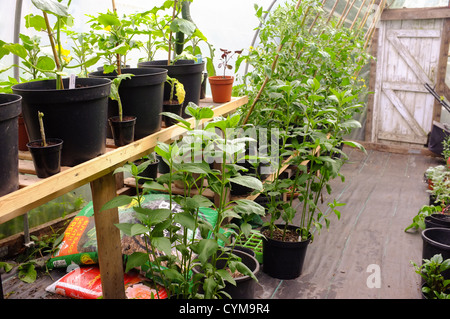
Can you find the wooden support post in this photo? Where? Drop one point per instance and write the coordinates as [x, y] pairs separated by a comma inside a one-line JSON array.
[[108, 238]]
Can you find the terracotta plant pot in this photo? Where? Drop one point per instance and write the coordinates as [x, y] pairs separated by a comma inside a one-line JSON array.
[[221, 88]]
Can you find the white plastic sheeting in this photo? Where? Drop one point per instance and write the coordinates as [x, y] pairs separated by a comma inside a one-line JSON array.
[[227, 24]]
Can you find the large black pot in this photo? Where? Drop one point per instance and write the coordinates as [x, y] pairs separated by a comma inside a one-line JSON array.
[[437, 220], [187, 72], [284, 260], [436, 241], [10, 108], [141, 96], [76, 116]]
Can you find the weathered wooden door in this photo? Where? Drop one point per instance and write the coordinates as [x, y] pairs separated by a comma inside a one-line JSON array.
[[408, 57]]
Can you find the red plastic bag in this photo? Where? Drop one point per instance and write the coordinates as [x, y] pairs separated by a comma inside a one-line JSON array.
[[85, 283]]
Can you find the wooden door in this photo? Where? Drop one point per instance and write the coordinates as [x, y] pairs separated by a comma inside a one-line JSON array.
[[408, 57]]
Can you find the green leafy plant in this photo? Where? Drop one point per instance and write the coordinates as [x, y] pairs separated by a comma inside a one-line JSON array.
[[418, 221], [181, 251], [436, 286]]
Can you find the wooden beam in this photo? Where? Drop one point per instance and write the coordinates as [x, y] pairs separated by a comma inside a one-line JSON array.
[[108, 238], [441, 86], [416, 13]]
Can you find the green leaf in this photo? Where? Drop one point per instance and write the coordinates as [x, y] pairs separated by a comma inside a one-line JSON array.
[[136, 259], [162, 244], [226, 276], [108, 19], [154, 216], [36, 22], [17, 49], [132, 230], [46, 63], [173, 275], [117, 201], [205, 248], [51, 6], [248, 181], [185, 219], [183, 25], [27, 273]]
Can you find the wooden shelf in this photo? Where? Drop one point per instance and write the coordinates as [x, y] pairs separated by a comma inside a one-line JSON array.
[[35, 191]]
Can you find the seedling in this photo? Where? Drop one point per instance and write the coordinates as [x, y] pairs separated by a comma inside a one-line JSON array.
[[41, 127], [225, 58]]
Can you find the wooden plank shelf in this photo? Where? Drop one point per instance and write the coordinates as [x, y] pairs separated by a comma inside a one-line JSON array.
[[34, 191]]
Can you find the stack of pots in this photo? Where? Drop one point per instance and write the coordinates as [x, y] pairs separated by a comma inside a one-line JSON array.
[[436, 238]]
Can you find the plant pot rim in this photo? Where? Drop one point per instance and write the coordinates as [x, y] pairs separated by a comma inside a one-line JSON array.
[[48, 86], [433, 242], [56, 142], [10, 106], [286, 242], [125, 118]]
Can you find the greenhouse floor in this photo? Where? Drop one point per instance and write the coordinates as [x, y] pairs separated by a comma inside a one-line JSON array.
[[383, 192]]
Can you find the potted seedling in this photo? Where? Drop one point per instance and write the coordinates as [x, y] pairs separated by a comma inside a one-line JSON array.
[[174, 103], [222, 85], [46, 152], [141, 95], [434, 286], [122, 127], [72, 112], [172, 22]]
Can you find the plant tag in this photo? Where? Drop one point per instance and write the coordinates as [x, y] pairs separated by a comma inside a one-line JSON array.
[[72, 80]]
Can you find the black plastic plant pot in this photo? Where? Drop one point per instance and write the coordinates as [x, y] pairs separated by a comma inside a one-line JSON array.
[[245, 285], [437, 220], [74, 115], [436, 241], [172, 108], [122, 131], [141, 95], [237, 189], [284, 260], [150, 172], [163, 168], [10, 108], [46, 159], [189, 73]]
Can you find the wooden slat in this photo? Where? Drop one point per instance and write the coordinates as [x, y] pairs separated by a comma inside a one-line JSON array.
[[21, 201], [416, 13]]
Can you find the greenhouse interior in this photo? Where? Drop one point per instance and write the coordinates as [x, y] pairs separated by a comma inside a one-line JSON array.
[[271, 157]]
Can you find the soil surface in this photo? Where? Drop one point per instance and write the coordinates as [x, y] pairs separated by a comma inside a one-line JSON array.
[[290, 236]]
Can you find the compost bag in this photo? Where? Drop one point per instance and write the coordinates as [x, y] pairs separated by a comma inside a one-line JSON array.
[[79, 245], [84, 283]]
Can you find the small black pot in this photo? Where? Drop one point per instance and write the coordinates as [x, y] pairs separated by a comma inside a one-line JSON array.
[[163, 168], [151, 171], [284, 260], [436, 241], [237, 189], [172, 108], [46, 159], [122, 131]]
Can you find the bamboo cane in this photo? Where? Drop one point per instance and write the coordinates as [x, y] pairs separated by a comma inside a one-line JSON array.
[[357, 14], [52, 44]]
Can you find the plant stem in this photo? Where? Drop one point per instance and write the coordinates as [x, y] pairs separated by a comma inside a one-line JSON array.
[[41, 126], [59, 82]]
